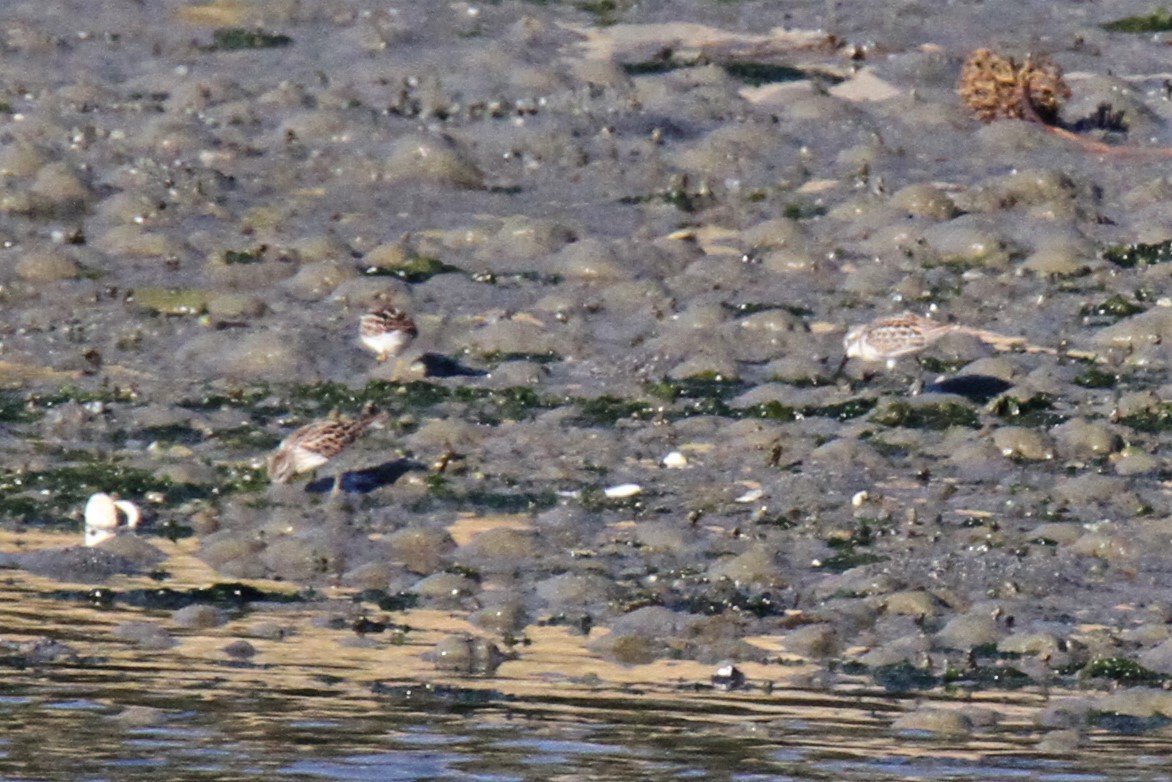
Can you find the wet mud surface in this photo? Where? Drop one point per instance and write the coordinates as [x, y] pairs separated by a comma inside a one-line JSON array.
[[620, 453]]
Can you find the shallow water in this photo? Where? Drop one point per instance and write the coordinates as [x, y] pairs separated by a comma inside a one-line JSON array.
[[314, 706]]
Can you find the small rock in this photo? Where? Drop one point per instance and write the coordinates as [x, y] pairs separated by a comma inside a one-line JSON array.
[[466, 655], [435, 159], [934, 721], [47, 266], [1023, 443], [147, 635], [198, 617], [240, 650]]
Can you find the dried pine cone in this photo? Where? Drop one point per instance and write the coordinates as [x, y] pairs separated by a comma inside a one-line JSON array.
[[996, 87]]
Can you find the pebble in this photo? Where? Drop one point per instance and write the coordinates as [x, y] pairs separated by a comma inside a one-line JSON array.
[[420, 550], [432, 159], [47, 266], [145, 635], [933, 721]]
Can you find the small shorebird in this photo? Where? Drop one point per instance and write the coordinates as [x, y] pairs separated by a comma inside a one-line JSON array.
[[314, 444], [106, 517], [886, 339], [386, 332]]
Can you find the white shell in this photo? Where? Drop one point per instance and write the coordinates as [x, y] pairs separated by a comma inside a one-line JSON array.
[[103, 519], [623, 490], [675, 461], [750, 496]]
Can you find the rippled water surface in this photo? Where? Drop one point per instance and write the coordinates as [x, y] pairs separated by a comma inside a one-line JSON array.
[[316, 706]]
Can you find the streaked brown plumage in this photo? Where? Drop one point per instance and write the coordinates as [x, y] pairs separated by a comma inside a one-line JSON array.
[[886, 339], [386, 331], [314, 444]]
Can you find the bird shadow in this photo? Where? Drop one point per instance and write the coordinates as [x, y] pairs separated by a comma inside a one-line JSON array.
[[978, 388], [439, 365], [367, 479]]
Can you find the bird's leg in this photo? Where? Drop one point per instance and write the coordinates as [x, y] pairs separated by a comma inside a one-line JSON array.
[[841, 366]]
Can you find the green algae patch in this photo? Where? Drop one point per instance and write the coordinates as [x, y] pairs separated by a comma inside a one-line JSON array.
[[680, 196], [688, 401], [1094, 377], [700, 386], [168, 434], [416, 398], [65, 489], [416, 269], [607, 410], [899, 677], [246, 398], [699, 395], [437, 698], [670, 399], [495, 406], [499, 357], [171, 301], [230, 595], [606, 12], [941, 366], [747, 308], [225, 595], [798, 210], [399, 601], [240, 478], [847, 545], [654, 67], [1154, 420], [497, 278], [1156, 22], [847, 559], [1119, 669], [755, 74], [725, 597], [842, 411], [1036, 411], [1000, 677], [750, 72], [322, 398], [1116, 308], [936, 416], [1129, 256], [232, 39], [81, 396], [906, 677], [14, 408], [770, 411], [245, 257]]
